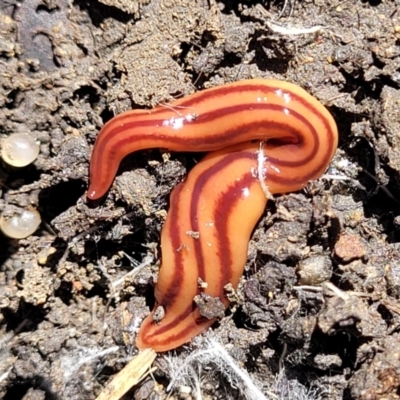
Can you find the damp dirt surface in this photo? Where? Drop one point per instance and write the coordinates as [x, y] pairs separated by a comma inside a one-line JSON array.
[[317, 312]]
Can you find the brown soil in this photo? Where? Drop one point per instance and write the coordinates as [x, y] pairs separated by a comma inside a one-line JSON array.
[[317, 313]]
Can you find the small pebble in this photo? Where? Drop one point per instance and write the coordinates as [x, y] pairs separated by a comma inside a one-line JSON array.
[[314, 270], [43, 255], [350, 247]]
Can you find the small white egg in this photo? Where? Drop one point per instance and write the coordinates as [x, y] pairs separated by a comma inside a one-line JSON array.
[[19, 224], [19, 149]]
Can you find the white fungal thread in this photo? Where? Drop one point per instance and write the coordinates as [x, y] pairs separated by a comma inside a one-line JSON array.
[[262, 171]]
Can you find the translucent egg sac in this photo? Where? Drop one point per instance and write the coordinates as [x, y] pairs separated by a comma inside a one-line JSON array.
[[19, 149], [18, 223]]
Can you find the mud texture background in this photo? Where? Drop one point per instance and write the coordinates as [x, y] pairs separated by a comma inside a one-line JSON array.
[[317, 314]]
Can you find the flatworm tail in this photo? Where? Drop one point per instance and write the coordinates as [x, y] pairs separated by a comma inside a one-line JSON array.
[[212, 208]]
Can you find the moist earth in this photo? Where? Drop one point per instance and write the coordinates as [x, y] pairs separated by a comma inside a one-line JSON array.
[[317, 312]]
